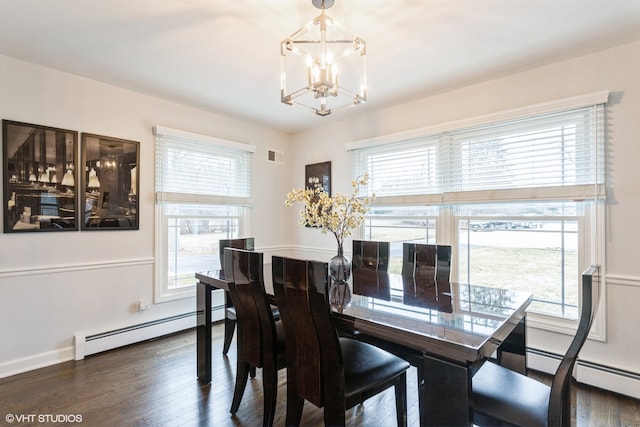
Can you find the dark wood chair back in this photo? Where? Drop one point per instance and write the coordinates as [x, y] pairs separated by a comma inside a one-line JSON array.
[[329, 371], [256, 326], [229, 312], [560, 397], [244, 243], [258, 342], [426, 261], [300, 288], [371, 255]]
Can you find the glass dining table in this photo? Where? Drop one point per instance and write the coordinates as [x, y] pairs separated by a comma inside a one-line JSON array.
[[445, 329]]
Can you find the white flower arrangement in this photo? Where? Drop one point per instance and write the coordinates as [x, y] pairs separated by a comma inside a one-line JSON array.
[[337, 214]]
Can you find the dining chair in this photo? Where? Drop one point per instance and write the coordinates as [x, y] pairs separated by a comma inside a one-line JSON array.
[[503, 395], [426, 260], [230, 311], [370, 259], [425, 267], [260, 338], [370, 254], [329, 371]]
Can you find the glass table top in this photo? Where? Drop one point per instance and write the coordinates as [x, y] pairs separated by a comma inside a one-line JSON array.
[[421, 312], [456, 313]]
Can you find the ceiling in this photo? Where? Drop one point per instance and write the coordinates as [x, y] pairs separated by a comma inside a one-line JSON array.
[[223, 56]]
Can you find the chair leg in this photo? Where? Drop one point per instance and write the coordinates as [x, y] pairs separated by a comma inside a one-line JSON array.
[[252, 372], [334, 408], [242, 375], [295, 405], [422, 413], [334, 416], [229, 327], [270, 394], [401, 400], [568, 394]]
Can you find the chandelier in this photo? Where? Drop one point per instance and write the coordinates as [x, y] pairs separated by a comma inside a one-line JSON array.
[[324, 65]]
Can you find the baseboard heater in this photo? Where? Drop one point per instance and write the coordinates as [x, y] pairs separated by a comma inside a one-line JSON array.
[[595, 374], [86, 345]]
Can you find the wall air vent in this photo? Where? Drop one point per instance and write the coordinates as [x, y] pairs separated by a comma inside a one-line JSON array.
[[275, 156]]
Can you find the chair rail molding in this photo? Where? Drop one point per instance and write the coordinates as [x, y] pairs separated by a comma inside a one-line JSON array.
[[66, 268], [622, 280]]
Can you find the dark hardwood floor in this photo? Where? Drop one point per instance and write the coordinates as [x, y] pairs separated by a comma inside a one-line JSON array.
[[154, 383]]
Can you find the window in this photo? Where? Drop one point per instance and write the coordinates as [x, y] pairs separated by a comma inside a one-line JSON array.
[[193, 232], [519, 199], [203, 189], [532, 246], [398, 224]]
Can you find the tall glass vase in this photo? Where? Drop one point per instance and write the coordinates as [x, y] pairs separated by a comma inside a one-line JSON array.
[[340, 272]]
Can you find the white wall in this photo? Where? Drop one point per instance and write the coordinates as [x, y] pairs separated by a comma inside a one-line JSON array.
[[56, 284], [41, 310], [616, 70]]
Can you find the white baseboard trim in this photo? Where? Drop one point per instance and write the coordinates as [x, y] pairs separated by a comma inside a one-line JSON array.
[[593, 374], [617, 380], [87, 344], [29, 363]]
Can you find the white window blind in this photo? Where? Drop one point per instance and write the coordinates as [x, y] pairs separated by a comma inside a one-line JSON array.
[[399, 172], [197, 169], [552, 156]]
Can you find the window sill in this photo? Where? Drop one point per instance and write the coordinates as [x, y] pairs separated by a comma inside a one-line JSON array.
[[565, 326]]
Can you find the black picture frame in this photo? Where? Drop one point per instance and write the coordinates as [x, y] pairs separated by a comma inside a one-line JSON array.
[[318, 175], [39, 177], [110, 183]]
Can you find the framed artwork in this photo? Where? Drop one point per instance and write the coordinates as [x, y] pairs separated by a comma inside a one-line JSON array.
[[39, 178], [109, 183], [318, 175]]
